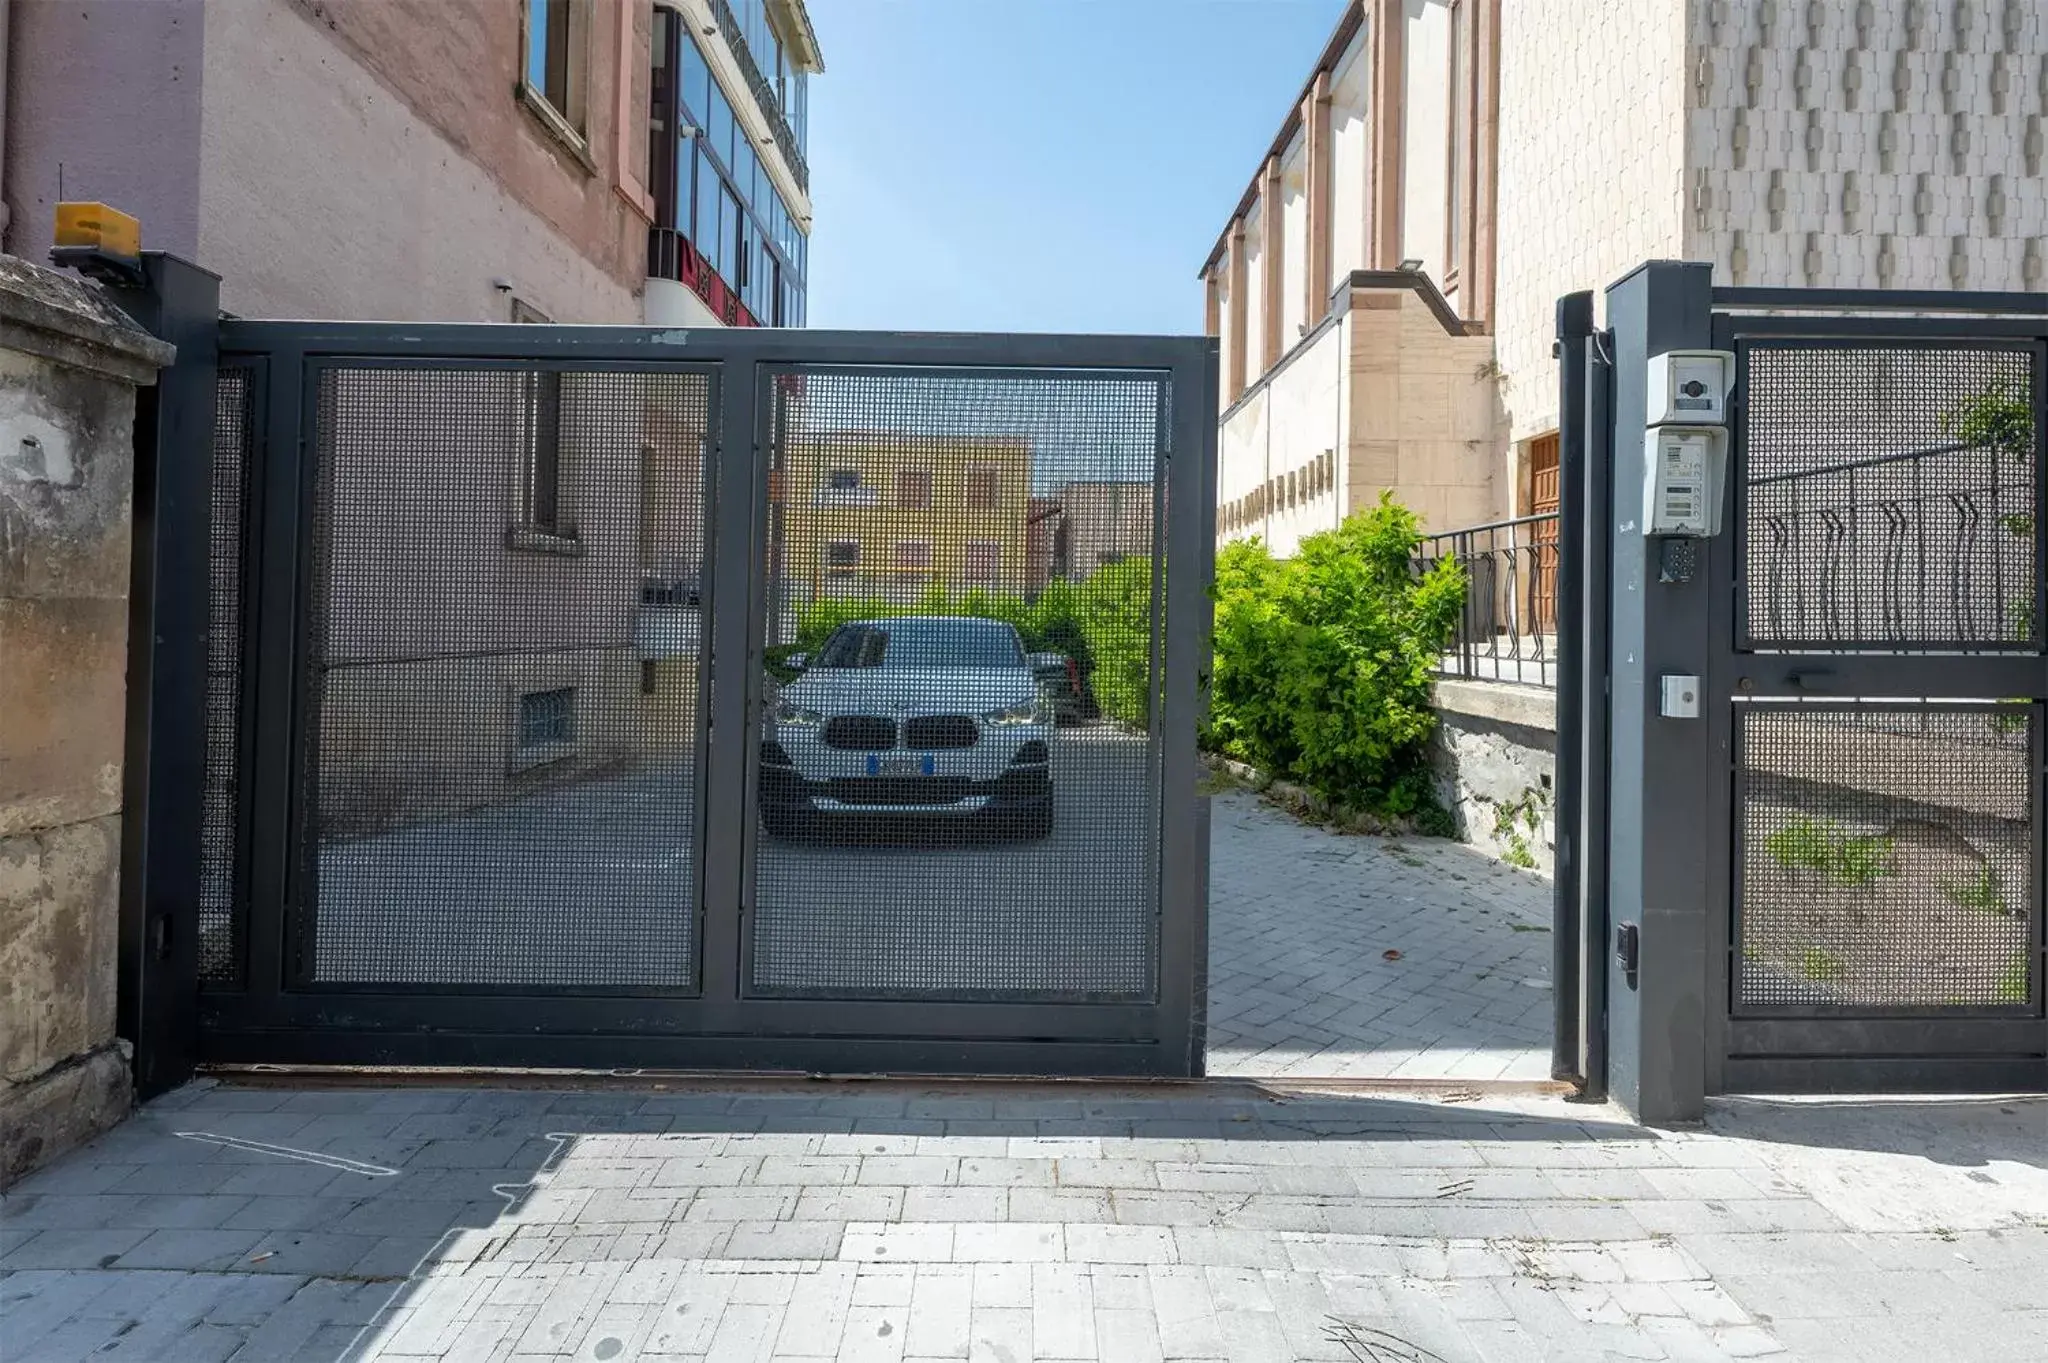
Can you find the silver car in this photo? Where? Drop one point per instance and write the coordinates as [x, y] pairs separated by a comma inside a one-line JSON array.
[[920, 717]]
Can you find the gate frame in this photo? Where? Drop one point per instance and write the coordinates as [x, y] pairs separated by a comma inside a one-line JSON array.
[[1647, 805], [1893, 1050], [267, 1022], [1584, 609], [164, 747]]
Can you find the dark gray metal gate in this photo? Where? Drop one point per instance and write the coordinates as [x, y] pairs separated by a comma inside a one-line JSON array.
[[531, 741], [1882, 691], [1831, 878]]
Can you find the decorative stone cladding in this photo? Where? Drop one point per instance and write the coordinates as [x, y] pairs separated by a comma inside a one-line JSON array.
[[1868, 143]]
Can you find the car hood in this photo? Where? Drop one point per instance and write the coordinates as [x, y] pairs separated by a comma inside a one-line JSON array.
[[910, 691]]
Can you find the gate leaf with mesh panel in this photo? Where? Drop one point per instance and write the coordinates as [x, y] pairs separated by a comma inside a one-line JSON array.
[[786, 700]]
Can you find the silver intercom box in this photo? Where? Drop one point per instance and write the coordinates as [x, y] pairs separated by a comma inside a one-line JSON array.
[[1685, 441]]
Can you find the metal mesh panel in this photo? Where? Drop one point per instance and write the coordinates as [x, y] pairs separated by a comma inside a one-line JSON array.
[[506, 678], [958, 783], [1890, 497], [1887, 858], [222, 927]]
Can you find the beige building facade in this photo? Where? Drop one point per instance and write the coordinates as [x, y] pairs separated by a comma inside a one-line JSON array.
[[1384, 291]]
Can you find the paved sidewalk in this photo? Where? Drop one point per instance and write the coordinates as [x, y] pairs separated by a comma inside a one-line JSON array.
[[1001, 1222], [1301, 919]]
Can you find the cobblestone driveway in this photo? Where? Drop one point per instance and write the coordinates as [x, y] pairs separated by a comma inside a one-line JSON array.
[[1301, 919], [1013, 1223]]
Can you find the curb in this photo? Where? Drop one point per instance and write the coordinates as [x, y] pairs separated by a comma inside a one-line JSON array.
[[1307, 805]]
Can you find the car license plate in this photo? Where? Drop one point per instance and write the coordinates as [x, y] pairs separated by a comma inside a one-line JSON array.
[[900, 766]]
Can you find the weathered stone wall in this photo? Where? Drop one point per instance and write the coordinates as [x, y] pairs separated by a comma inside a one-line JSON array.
[[1495, 762], [69, 365]]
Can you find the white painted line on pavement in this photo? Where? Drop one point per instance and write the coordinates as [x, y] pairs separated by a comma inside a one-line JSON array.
[[347, 1166]]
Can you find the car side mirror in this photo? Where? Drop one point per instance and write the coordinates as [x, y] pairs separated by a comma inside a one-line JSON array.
[[797, 662]]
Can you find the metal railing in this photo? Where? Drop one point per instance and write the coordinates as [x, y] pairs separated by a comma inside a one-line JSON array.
[[1508, 629], [1922, 549], [764, 94]]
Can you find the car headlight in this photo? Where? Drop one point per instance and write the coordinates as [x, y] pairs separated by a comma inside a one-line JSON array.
[[798, 716], [1024, 712]]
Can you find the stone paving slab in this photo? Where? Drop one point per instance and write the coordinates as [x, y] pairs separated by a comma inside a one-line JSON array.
[[1074, 1222], [1301, 919]]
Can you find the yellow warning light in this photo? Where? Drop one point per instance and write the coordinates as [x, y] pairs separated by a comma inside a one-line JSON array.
[[96, 227]]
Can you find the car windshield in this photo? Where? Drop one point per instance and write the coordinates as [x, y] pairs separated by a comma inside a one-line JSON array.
[[922, 643]]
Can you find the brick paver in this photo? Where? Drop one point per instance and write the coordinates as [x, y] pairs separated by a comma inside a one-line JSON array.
[[1301, 919], [1198, 1223]]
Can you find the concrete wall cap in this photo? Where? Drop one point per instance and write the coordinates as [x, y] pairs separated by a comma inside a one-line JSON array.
[[70, 320], [1531, 707]]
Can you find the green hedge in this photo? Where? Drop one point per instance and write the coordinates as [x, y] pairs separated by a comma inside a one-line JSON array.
[[1324, 661]]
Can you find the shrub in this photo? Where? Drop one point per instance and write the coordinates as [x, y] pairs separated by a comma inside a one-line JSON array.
[[1112, 610], [1324, 661], [2015, 982], [1978, 892], [1999, 418], [1820, 845]]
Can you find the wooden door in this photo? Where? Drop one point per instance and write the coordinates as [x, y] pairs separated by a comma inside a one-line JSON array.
[[1543, 496]]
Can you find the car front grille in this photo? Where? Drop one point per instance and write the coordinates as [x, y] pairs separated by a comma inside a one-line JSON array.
[[860, 733], [930, 732]]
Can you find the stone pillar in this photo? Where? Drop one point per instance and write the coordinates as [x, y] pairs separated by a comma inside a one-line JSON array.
[[1476, 299], [1272, 261], [1237, 342], [1315, 122], [1389, 92], [70, 363]]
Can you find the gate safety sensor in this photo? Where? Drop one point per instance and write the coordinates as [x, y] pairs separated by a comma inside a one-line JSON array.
[[1685, 445]]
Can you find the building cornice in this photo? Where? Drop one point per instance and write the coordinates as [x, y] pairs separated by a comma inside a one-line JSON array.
[[793, 21], [1340, 304]]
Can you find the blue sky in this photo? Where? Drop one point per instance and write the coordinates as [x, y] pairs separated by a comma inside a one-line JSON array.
[[1039, 165]]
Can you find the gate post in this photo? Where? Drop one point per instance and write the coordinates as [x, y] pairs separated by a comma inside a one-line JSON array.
[[1569, 1025], [1660, 770], [158, 991]]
